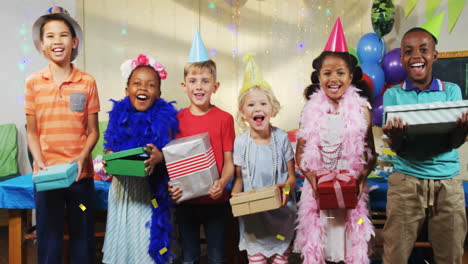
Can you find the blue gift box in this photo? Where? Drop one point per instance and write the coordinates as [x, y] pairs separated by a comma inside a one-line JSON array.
[[56, 177]]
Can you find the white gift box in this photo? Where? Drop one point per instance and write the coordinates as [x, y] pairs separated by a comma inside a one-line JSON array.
[[428, 118], [191, 165]]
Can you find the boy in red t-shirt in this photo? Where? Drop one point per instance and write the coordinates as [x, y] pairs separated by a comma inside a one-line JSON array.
[[213, 210]]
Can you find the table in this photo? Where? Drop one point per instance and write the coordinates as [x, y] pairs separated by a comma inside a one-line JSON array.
[[17, 196]]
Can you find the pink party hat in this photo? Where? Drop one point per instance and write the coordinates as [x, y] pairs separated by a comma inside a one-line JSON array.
[[336, 42]]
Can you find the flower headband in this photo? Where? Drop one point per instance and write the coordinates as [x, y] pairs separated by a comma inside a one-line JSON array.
[[142, 60]]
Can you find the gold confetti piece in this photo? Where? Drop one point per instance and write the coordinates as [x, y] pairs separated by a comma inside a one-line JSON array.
[[287, 189], [155, 203], [359, 222], [162, 251], [388, 151], [280, 237], [82, 207]]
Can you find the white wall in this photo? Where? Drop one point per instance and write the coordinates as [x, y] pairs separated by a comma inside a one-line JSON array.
[[271, 29]]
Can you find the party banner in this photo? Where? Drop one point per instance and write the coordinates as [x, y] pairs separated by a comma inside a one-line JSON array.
[[455, 7], [431, 8], [410, 6]]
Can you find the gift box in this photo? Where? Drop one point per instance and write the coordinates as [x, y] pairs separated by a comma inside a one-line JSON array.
[[191, 165], [56, 177], [128, 162], [336, 189], [428, 118], [255, 201]]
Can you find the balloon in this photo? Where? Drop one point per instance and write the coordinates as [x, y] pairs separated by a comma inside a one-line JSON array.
[[382, 16], [368, 81], [377, 75], [371, 48], [391, 65], [353, 52], [377, 110]]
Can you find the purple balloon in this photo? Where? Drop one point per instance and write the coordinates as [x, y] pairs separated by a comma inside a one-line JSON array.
[[377, 110], [393, 69]]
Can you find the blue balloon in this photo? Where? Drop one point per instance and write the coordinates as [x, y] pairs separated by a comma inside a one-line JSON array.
[[371, 48], [377, 75]]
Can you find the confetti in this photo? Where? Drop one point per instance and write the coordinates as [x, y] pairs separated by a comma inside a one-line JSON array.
[[280, 237], [359, 222], [162, 251], [287, 189], [154, 203], [82, 207]]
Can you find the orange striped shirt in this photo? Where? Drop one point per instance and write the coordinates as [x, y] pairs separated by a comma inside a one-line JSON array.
[[61, 112]]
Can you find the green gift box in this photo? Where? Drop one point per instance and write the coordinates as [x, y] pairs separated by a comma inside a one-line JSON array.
[[56, 177], [128, 162]]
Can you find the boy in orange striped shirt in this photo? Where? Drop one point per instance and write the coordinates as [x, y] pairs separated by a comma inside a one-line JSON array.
[[61, 105]]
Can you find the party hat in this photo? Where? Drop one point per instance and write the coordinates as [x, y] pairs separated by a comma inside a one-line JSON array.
[[198, 50], [336, 42], [61, 12], [434, 25], [252, 75]]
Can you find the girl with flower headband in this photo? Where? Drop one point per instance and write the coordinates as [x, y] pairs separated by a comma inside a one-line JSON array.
[[142, 118], [335, 135], [263, 156]]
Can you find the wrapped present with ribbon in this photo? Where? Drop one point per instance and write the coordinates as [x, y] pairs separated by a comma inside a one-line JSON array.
[[191, 165], [428, 118], [336, 189]]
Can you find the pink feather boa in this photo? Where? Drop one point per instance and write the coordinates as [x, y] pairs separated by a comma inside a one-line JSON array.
[[311, 227]]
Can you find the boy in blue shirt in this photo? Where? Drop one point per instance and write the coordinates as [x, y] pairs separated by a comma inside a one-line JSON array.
[[423, 185]]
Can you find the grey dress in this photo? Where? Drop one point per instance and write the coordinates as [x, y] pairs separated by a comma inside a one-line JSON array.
[[258, 232]]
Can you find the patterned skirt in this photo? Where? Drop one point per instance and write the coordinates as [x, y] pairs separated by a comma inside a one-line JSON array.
[[128, 221]]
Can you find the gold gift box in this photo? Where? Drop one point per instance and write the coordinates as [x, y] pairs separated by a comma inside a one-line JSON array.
[[255, 201]]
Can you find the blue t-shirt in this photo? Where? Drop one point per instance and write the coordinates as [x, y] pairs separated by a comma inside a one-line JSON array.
[[425, 156]]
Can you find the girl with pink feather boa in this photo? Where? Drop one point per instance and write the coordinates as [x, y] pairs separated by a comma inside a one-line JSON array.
[[335, 133]]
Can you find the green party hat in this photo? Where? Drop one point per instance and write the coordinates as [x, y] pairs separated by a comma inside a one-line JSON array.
[[252, 75], [434, 25]]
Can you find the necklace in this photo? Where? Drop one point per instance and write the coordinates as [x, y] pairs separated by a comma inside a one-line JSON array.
[[247, 163], [330, 155]]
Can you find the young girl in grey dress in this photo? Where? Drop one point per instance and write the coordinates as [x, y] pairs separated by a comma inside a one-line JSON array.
[[263, 156]]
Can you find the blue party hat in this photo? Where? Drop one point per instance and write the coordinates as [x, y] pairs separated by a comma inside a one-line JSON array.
[[198, 51]]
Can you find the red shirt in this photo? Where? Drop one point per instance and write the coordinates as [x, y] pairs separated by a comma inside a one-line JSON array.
[[220, 126]]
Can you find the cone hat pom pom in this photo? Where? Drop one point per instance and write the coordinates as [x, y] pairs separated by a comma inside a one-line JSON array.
[[252, 75], [336, 41], [198, 51], [435, 25]]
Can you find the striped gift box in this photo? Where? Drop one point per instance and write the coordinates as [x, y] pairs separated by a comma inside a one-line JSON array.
[[191, 165], [428, 118]]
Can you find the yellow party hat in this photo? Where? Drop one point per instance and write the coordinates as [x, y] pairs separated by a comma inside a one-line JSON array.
[[252, 75]]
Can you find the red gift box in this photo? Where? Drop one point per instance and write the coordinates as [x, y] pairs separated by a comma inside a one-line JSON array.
[[336, 189]]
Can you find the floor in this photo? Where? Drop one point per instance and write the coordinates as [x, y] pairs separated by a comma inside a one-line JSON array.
[[418, 257]]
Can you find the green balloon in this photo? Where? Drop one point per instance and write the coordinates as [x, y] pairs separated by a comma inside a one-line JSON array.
[[382, 16], [353, 52]]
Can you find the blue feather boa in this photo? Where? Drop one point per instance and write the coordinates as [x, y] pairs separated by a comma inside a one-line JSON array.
[[129, 128]]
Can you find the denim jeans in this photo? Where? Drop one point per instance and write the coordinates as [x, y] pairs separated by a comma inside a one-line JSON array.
[[50, 214], [214, 218]]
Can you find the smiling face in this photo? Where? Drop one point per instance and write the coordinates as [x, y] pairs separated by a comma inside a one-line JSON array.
[[57, 42], [199, 86], [143, 88], [334, 77], [257, 110], [417, 56]]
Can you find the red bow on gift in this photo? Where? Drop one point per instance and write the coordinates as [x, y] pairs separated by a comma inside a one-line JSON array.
[[335, 176]]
